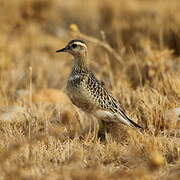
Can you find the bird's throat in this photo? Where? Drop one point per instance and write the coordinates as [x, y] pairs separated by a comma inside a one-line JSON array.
[[80, 62]]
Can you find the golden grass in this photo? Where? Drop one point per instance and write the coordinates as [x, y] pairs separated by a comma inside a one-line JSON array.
[[46, 137]]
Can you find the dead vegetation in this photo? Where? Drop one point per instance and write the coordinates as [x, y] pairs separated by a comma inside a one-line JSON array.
[[134, 49]]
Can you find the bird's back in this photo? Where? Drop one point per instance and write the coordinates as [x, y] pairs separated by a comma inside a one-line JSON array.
[[84, 85]]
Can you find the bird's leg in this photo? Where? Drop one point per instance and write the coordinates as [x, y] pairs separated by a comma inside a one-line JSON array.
[[102, 129]]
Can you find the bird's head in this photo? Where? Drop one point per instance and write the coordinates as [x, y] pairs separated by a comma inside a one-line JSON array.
[[75, 47]]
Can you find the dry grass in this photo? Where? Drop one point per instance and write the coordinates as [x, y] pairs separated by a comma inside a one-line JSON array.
[[42, 136]]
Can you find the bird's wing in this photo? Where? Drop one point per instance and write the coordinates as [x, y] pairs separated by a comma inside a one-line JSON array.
[[107, 106], [102, 98]]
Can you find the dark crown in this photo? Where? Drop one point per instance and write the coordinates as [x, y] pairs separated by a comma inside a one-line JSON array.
[[77, 40]]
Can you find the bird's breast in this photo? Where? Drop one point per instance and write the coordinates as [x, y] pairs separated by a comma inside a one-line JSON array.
[[74, 80], [77, 93]]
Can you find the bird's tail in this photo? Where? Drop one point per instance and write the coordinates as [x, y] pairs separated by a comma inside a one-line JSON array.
[[138, 128], [130, 123]]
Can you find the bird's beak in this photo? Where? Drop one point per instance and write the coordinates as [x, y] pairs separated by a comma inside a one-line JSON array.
[[63, 49]]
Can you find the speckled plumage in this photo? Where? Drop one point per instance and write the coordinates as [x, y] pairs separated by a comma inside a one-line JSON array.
[[87, 92]]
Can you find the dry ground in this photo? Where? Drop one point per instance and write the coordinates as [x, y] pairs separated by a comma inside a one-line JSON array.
[[50, 140]]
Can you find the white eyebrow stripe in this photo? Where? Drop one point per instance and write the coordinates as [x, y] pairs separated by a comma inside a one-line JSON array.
[[81, 44]]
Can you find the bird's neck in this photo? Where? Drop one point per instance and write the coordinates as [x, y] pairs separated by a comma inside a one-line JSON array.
[[80, 62]]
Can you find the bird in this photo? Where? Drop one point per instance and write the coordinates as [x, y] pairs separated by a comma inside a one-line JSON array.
[[88, 93]]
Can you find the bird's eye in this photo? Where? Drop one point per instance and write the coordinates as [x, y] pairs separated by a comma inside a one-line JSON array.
[[74, 45]]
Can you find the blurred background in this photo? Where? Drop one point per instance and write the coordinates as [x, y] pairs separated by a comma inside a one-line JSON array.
[[144, 34]]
